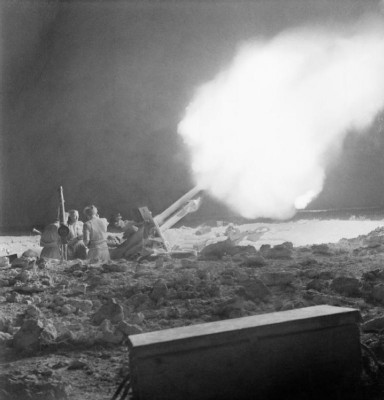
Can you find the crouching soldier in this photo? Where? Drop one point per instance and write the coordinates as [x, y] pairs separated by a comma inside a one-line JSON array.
[[50, 241]]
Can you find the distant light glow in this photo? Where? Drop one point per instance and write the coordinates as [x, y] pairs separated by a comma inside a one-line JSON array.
[[262, 133]]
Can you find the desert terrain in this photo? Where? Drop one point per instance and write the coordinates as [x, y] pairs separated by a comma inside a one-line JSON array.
[[64, 324]]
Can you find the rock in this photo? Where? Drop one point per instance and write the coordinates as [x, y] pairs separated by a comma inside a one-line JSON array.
[[49, 333], [31, 288], [217, 250], [129, 329], [31, 254], [173, 312], [241, 251], [280, 251], [214, 290], [24, 262], [264, 249], [150, 314], [241, 276], [320, 298], [159, 291], [346, 286], [281, 278], [4, 282], [254, 289], [111, 311], [67, 309], [41, 263], [185, 278], [230, 308], [14, 297], [60, 364], [116, 267], [76, 267], [254, 261], [378, 293], [59, 300], [159, 263], [113, 337], [29, 387], [373, 325], [5, 339], [202, 274], [377, 274], [184, 294], [25, 276], [4, 262], [326, 275], [5, 323], [106, 326], [13, 329], [287, 305], [187, 263], [308, 262], [76, 364], [227, 280], [139, 299], [33, 311], [46, 280], [137, 318], [202, 230], [80, 288], [373, 241], [108, 333], [229, 313], [315, 284], [321, 249], [311, 273], [96, 304], [28, 337], [83, 305]]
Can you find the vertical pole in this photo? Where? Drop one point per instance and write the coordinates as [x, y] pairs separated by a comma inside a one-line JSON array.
[[63, 230]]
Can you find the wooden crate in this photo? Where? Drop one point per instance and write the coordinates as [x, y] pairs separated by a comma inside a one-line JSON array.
[[263, 356]]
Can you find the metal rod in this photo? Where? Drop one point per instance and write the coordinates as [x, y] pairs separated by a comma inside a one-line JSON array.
[[63, 229], [62, 208]]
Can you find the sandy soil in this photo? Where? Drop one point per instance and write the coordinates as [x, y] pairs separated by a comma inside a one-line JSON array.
[[80, 353], [300, 233]]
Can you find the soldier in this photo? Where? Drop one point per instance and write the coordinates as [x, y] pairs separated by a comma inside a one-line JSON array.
[[50, 241], [76, 246], [95, 235]]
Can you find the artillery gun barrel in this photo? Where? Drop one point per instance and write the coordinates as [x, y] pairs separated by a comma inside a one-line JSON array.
[[161, 218]]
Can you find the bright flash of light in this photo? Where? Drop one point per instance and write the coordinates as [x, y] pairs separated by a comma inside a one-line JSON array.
[[262, 133]]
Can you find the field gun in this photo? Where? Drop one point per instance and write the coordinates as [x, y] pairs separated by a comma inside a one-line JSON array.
[[151, 229], [185, 205]]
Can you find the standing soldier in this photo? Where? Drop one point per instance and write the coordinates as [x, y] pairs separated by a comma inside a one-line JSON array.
[[76, 246], [95, 235]]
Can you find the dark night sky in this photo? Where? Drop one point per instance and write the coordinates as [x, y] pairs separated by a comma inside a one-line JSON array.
[[92, 93]]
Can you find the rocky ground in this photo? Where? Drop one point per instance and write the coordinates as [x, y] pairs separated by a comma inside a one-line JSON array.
[[64, 326]]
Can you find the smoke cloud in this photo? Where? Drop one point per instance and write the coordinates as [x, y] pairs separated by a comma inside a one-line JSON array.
[[262, 133]]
